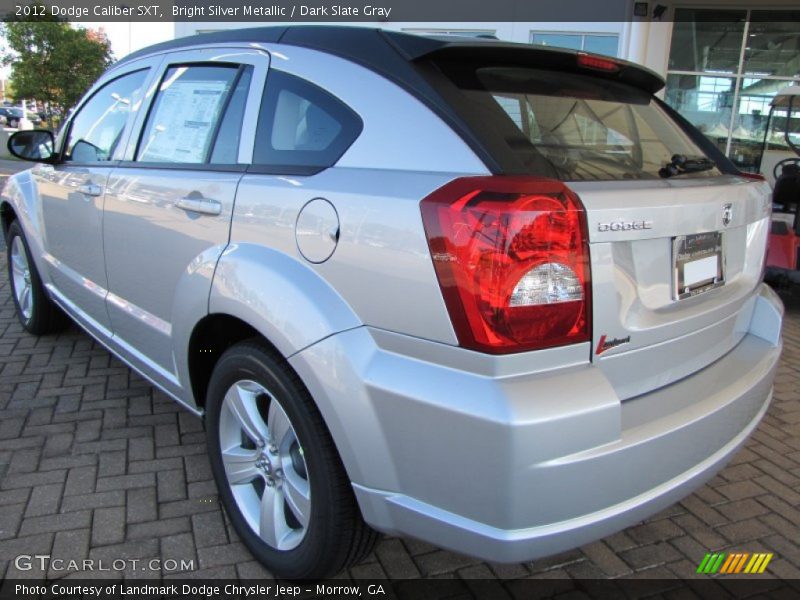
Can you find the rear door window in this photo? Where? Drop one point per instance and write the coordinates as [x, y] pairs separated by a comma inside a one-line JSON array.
[[187, 112], [226, 146], [302, 129]]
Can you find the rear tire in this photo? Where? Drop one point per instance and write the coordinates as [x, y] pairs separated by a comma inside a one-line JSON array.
[[35, 310], [279, 476]]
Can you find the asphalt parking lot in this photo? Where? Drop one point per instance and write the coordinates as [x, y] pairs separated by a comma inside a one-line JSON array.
[[96, 464]]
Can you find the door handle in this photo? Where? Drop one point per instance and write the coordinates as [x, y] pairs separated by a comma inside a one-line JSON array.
[[90, 189], [204, 206]]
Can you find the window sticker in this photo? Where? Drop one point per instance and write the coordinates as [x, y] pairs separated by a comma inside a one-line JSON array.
[[184, 121]]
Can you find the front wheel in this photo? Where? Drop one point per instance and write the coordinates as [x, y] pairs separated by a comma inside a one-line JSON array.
[[279, 476], [35, 311]]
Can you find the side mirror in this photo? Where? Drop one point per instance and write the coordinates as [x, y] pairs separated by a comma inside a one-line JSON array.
[[37, 145]]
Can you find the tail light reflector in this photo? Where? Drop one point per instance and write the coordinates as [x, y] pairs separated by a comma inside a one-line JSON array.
[[512, 258]]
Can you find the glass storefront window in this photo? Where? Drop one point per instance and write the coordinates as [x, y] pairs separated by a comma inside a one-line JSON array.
[[705, 101], [599, 43], [725, 66], [558, 40], [707, 40], [750, 120], [773, 44]]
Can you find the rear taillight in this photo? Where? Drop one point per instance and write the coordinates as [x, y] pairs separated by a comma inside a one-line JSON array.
[[512, 258]]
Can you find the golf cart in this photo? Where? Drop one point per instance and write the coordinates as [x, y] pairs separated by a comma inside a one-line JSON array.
[[780, 164]]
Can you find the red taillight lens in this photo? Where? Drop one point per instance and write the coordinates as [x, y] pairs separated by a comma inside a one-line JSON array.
[[597, 62], [756, 176], [512, 258]]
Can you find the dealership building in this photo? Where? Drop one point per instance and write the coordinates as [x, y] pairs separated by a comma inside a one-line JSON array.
[[722, 61]]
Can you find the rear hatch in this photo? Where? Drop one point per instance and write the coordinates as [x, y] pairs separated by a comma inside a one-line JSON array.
[[677, 237], [658, 314]]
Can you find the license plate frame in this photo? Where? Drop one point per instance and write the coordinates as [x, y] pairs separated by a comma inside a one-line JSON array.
[[698, 264]]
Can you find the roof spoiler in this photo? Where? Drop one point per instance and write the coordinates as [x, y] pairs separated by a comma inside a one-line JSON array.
[[416, 48]]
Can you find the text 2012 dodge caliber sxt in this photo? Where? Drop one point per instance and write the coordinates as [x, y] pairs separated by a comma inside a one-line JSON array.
[[496, 297]]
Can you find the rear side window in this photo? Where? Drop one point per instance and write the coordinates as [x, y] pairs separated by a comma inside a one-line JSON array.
[[570, 126], [186, 113], [302, 129]]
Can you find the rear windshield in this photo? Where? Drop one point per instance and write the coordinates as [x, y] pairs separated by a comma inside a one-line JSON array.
[[570, 126]]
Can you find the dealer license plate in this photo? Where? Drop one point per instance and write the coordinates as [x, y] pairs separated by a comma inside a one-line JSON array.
[[699, 264]]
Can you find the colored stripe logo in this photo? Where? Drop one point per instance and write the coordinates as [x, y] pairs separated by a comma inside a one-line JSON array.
[[735, 562]]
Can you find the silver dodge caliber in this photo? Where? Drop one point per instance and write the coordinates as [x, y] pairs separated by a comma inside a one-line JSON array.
[[496, 297]]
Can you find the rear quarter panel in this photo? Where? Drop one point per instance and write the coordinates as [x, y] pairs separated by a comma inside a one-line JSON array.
[[381, 270]]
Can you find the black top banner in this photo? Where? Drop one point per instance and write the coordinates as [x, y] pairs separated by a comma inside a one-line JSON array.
[[288, 11], [304, 11]]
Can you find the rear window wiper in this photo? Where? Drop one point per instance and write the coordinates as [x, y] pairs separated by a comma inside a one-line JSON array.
[[680, 164]]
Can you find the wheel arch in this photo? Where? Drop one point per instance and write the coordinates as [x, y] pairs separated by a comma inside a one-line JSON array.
[[21, 202], [283, 298], [209, 339], [258, 292], [7, 216]]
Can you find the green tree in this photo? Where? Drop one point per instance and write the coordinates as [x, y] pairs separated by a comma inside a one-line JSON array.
[[51, 61]]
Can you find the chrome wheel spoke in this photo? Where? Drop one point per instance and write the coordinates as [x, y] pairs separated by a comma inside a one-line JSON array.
[[18, 264], [278, 423], [21, 278], [272, 525], [25, 300], [242, 403], [298, 495], [240, 465]]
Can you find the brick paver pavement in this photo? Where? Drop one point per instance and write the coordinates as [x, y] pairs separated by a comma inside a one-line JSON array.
[[96, 464]]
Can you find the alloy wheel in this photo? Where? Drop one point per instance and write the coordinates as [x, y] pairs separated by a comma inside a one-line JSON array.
[[21, 273], [264, 465]]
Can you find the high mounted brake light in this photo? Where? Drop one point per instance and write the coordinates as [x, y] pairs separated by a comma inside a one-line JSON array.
[[756, 176], [597, 62], [512, 258]]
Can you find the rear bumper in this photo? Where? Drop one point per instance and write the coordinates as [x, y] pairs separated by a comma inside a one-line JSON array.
[[510, 468]]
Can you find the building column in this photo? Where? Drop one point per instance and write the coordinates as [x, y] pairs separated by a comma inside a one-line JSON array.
[[637, 40]]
